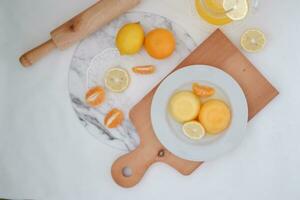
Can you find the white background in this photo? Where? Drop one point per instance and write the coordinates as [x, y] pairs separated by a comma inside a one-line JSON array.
[[45, 153]]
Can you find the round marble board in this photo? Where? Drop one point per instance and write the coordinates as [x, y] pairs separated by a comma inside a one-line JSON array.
[[98, 53]]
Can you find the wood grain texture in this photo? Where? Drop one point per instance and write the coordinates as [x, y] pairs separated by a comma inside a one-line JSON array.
[[79, 27], [89, 21], [216, 51], [220, 52], [149, 151]]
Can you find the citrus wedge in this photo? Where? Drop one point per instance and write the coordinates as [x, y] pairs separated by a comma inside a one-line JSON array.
[[193, 130]]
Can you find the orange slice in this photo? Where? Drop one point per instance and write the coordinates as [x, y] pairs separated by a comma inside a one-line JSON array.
[[114, 118], [95, 96], [203, 91], [147, 69]]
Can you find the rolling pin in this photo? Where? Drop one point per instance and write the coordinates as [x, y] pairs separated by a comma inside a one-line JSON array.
[[79, 27]]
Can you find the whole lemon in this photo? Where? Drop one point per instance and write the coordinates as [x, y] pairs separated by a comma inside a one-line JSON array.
[[130, 39]]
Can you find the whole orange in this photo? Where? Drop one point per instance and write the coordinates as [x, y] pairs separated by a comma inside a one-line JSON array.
[[160, 43]]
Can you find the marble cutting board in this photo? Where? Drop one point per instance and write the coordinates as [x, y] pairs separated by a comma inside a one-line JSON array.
[[97, 53]]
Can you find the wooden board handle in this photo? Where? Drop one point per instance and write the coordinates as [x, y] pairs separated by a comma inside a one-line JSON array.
[[129, 169], [37, 53], [185, 167]]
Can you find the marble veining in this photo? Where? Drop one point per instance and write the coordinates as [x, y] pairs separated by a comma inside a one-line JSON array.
[[97, 53]]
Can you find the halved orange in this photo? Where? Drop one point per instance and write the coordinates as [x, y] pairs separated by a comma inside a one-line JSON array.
[[114, 118], [95, 96]]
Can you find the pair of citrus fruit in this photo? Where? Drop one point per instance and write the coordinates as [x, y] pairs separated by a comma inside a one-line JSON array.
[[159, 43], [95, 97], [212, 117]]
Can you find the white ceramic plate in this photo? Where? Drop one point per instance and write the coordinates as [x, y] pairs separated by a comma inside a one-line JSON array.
[[170, 133]]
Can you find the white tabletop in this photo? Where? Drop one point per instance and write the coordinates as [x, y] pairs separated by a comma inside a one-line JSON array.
[[45, 153]]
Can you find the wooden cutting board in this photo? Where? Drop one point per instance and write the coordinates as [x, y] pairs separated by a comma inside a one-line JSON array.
[[216, 51]]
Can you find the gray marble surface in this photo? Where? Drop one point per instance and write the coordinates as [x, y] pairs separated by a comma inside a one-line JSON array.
[[97, 53]]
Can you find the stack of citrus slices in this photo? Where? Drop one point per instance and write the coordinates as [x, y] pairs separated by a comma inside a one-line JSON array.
[[198, 112]]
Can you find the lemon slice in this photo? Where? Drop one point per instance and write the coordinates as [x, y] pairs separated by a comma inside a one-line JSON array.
[[253, 40], [117, 79], [236, 9], [193, 130]]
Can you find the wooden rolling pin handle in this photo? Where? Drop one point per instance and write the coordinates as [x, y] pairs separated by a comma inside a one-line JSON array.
[[76, 25], [32, 56]]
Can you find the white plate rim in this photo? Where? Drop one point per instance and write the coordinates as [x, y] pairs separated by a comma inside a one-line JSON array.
[[239, 109]]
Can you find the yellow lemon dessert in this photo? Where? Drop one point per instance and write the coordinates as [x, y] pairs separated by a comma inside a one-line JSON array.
[[184, 106], [215, 116]]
